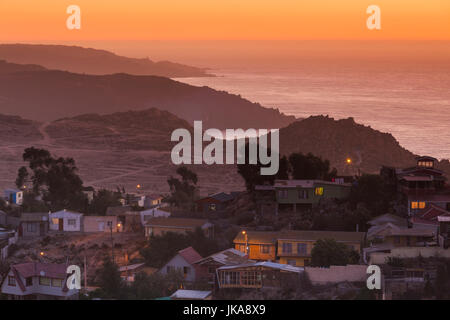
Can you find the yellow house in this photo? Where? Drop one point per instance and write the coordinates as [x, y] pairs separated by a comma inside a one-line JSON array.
[[294, 247], [261, 244]]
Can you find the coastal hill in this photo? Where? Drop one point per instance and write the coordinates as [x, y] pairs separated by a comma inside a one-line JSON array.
[[337, 140], [49, 95], [132, 130], [7, 67], [92, 61]]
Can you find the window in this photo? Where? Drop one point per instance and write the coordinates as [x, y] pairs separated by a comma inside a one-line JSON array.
[[29, 281], [44, 281], [31, 227], [55, 221], [414, 205], [301, 249], [211, 270], [186, 270], [303, 194], [287, 247], [109, 224], [292, 262], [11, 281], [72, 222], [319, 191], [57, 283], [283, 194], [265, 248], [212, 207], [170, 269], [422, 205]]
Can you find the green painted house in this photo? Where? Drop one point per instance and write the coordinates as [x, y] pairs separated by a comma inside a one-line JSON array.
[[293, 194]]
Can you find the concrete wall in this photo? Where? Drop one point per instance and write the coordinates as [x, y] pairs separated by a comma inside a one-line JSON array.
[[336, 274], [99, 223]]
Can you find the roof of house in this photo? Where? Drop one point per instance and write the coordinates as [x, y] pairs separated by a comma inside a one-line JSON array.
[[266, 264], [176, 222], [131, 267], [411, 232], [36, 269], [388, 218], [311, 235], [432, 212], [34, 216], [444, 219], [376, 229], [63, 212], [257, 237], [190, 255], [226, 257], [117, 210], [306, 183], [190, 294]]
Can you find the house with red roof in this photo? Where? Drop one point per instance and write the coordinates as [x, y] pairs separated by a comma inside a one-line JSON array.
[[38, 281], [184, 262]]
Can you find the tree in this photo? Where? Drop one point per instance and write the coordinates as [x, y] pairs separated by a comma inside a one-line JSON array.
[[102, 200], [164, 247], [56, 179], [251, 173], [310, 167], [329, 252], [22, 176], [183, 192], [109, 279], [374, 192]]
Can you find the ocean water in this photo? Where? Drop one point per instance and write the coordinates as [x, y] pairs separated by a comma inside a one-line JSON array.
[[410, 102]]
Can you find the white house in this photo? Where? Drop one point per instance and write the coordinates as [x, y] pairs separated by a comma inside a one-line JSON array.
[[148, 214], [37, 281], [65, 221], [183, 262], [13, 196]]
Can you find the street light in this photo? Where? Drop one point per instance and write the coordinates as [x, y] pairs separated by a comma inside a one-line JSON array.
[[246, 241]]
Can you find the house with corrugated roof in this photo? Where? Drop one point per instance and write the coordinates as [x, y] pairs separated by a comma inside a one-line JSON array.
[[291, 247], [37, 281], [184, 263], [215, 202], [35, 224], [228, 257], [66, 220]]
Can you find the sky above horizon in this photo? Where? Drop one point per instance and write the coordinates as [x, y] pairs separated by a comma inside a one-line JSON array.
[[43, 20]]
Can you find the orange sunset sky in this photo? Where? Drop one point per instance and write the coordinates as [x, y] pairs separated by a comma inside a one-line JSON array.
[[40, 20]]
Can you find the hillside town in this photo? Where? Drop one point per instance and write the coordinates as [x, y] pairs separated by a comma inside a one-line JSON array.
[[306, 233]]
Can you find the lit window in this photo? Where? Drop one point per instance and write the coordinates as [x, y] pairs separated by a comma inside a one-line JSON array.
[[57, 283], [319, 191], [414, 205], [44, 281], [212, 207], [55, 221], [422, 205]]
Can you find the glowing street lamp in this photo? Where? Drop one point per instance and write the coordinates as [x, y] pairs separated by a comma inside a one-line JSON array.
[[348, 161], [246, 241]]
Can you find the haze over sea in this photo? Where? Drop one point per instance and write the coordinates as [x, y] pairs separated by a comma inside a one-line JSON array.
[[400, 87]]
